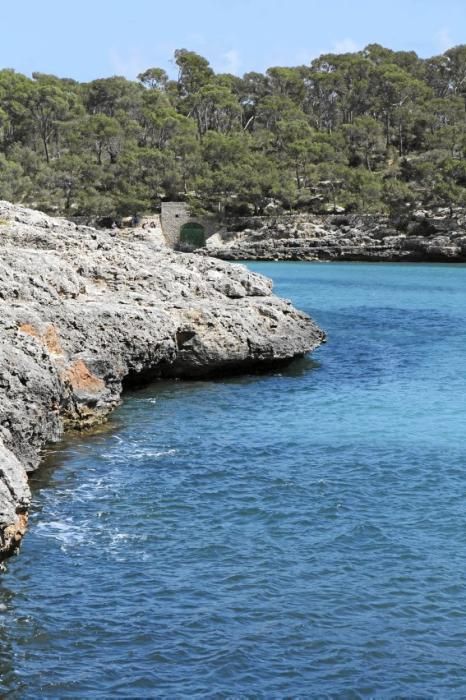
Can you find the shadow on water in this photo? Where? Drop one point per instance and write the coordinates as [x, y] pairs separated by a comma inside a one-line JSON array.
[[169, 387], [298, 368]]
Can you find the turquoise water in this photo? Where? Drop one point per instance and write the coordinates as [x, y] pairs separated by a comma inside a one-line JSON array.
[[301, 534]]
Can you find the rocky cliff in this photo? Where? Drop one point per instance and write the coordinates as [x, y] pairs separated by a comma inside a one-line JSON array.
[[427, 236], [84, 312]]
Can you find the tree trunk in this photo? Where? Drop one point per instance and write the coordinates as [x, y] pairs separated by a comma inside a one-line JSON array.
[[46, 149], [298, 179]]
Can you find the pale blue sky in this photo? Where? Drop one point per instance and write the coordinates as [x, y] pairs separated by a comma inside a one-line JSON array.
[[86, 39]]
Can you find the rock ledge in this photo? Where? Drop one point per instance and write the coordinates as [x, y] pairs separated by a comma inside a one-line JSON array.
[[426, 237], [84, 312]]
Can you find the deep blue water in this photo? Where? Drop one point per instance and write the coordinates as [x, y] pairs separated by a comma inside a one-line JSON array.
[[301, 534]]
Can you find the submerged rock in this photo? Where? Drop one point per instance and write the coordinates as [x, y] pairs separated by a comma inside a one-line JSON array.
[[85, 312]]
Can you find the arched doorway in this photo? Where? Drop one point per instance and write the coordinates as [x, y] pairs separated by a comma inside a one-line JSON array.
[[192, 235]]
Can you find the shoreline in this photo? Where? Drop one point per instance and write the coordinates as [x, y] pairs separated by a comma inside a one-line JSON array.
[[343, 260], [424, 237], [87, 315]]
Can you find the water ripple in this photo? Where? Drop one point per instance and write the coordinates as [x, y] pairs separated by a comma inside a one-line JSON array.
[[293, 535]]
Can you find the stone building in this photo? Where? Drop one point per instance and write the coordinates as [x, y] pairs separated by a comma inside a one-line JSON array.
[[181, 230]]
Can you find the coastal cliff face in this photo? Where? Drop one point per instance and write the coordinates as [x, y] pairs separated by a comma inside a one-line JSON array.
[[84, 312], [426, 237]]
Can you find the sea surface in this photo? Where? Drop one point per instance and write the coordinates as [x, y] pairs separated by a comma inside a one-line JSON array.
[[294, 535]]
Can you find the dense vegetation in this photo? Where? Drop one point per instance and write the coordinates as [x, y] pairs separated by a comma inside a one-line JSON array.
[[370, 131]]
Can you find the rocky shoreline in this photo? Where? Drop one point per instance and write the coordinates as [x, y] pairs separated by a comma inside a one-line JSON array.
[[85, 313], [425, 237]]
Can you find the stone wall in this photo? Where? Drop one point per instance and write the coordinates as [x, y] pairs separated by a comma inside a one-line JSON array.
[[174, 216]]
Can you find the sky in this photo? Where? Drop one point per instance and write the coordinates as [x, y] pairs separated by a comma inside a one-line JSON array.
[[88, 39]]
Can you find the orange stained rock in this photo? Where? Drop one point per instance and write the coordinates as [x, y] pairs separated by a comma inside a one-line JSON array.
[[52, 340], [29, 329], [13, 534], [81, 378], [49, 338]]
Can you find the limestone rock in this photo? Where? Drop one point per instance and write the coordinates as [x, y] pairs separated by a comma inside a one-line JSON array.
[[427, 237], [85, 311]]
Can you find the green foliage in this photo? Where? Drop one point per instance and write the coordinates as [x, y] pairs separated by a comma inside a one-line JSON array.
[[12, 183], [376, 130], [398, 197]]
